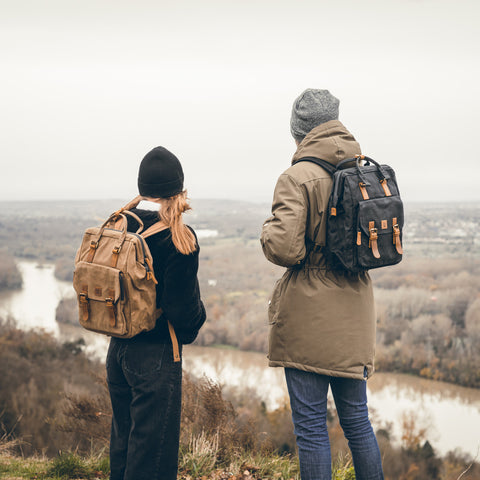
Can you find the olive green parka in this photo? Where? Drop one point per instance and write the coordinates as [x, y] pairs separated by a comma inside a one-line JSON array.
[[320, 321]]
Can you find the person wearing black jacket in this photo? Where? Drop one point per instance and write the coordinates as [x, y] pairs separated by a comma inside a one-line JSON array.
[[143, 379]]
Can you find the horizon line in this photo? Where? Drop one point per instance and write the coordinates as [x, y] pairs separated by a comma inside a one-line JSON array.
[[218, 199]]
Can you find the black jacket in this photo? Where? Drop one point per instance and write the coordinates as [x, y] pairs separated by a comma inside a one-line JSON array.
[[178, 292]]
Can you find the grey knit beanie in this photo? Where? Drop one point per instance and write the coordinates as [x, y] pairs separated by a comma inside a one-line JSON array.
[[312, 108]]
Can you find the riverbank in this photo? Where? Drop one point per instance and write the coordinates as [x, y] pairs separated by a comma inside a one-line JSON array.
[[392, 397], [448, 415]]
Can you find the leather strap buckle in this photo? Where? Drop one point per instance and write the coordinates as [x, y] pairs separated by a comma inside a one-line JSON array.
[[111, 311], [363, 190], [372, 241], [396, 237], [384, 184], [83, 303]]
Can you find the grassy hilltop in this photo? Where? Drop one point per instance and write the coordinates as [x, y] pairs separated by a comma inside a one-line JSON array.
[[55, 418]]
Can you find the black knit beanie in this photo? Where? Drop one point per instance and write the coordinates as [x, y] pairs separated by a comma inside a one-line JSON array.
[[160, 174]]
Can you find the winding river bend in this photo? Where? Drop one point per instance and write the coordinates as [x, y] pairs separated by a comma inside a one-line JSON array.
[[450, 413]]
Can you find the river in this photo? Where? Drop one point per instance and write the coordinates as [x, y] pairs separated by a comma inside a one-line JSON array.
[[451, 414]]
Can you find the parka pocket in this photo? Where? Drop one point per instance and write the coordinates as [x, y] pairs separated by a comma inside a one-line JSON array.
[[274, 305]]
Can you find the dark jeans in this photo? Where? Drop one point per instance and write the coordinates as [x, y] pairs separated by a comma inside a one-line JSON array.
[[145, 389], [308, 399]]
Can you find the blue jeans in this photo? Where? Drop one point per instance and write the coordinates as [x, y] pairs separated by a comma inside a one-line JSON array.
[[145, 390], [308, 400]]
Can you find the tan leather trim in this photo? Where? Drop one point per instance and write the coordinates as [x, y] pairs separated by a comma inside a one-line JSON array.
[[150, 274], [114, 259], [91, 252], [384, 184], [173, 336], [372, 242], [83, 302], [396, 237], [363, 189], [359, 238], [111, 307]]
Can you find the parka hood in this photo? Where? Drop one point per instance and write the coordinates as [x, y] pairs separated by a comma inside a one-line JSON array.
[[330, 141]]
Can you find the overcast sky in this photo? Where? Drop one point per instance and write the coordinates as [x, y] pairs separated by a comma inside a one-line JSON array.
[[88, 87]]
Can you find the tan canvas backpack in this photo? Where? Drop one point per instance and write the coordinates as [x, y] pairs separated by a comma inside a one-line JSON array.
[[114, 278]]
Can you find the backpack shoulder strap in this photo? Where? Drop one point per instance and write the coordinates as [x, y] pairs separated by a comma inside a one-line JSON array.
[[331, 169], [173, 336], [153, 229], [133, 203]]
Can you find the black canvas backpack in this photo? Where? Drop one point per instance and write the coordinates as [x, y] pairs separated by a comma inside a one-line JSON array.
[[365, 215]]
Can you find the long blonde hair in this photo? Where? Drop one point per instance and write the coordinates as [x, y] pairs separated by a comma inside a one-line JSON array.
[[170, 213]]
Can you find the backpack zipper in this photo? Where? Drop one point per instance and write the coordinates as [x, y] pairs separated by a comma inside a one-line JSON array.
[[143, 249], [120, 276]]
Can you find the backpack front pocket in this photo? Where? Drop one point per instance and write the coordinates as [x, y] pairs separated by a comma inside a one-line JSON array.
[[99, 294], [379, 232]]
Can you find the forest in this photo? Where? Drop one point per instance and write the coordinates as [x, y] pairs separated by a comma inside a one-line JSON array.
[[428, 324]]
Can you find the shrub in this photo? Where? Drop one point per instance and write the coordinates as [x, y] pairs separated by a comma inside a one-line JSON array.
[[10, 276], [36, 371], [69, 465], [67, 311]]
